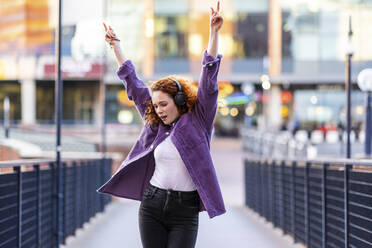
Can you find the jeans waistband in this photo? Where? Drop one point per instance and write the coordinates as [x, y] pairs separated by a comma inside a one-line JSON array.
[[180, 194]]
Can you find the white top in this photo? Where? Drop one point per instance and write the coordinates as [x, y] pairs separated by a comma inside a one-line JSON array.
[[170, 171]]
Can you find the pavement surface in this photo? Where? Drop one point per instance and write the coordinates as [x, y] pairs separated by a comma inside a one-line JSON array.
[[239, 227]]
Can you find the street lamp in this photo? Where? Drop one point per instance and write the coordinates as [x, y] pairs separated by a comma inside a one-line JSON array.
[[349, 53], [365, 84], [103, 91], [58, 116]]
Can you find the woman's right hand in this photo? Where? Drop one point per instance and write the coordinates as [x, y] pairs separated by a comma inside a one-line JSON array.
[[110, 36], [114, 42], [216, 19]]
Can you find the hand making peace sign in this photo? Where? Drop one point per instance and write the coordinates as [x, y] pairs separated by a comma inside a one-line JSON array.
[[216, 19]]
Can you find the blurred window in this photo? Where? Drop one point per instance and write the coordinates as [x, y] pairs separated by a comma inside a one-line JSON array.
[[251, 35], [12, 90], [45, 102], [79, 101], [170, 36]]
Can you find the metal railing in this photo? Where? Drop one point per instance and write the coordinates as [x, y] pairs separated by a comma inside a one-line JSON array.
[[28, 199], [320, 203], [273, 144]]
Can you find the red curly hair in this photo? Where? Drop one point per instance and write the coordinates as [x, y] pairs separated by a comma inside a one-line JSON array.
[[168, 86]]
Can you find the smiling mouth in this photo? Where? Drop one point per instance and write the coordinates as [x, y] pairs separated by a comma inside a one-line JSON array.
[[163, 118]]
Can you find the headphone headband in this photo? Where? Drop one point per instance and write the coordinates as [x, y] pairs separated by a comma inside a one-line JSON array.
[[178, 84], [179, 98]]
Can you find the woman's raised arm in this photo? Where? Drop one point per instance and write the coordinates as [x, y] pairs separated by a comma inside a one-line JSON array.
[[114, 42], [206, 106], [136, 89], [216, 22]]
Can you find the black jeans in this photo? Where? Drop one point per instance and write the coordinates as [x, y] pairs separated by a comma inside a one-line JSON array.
[[168, 219]]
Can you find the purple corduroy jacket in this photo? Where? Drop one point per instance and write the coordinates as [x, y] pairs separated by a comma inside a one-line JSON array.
[[191, 135]]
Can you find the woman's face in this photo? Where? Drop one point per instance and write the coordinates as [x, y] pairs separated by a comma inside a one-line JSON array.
[[165, 107]]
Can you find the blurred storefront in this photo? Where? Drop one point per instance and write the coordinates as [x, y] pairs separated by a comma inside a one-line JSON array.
[[289, 52]]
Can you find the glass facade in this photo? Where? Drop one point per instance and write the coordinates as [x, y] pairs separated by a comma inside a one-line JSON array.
[[318, 31]]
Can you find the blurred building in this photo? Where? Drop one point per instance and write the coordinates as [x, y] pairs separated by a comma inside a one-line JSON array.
[[283, 61]]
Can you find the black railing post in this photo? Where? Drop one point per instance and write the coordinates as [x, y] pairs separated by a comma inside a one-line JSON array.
[[293, 205], [82, 189], [245, 184], [268, 196], [306, 195], [271, 190], [20, 192], [96, 185], [274, 193], [64, 203], [102, 181], [248, 188], [90, 189], [347, 168], [266, 191], [324, 205], [38, 219], [262, 168], [254, 191], [85, 180], [282, 165], [259, 186], [52, 167], [76, 199]]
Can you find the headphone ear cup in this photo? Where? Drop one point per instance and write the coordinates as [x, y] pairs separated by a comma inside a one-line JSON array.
[[180, 99]]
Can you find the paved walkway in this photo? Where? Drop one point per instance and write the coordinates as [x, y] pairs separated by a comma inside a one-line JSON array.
[[239, 227]]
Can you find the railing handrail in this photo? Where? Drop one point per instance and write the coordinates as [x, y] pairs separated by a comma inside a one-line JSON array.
[[345, 161], [27, 162], [19, 163]]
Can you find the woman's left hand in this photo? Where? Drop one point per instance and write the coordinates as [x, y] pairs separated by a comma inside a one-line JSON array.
[[216, 19]]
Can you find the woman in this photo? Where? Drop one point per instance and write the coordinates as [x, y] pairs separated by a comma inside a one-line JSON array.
[[170, 169]]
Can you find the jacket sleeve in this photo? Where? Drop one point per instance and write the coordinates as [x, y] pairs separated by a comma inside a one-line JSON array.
[[136, 89], [206, 105]]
